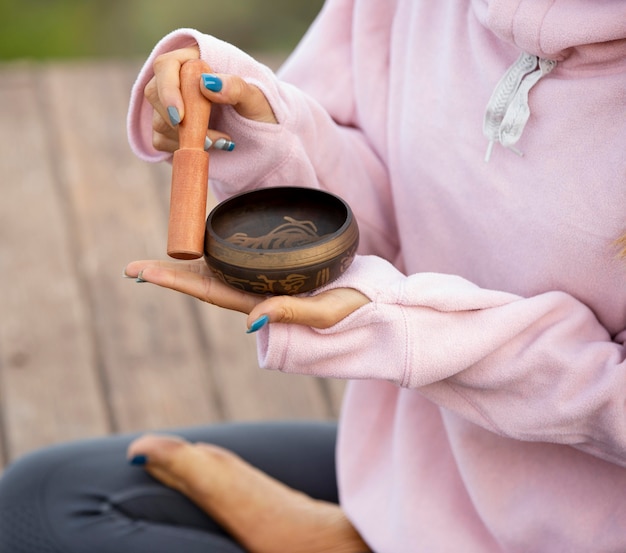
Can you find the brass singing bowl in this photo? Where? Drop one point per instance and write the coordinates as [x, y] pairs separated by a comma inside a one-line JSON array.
[[278, 241]]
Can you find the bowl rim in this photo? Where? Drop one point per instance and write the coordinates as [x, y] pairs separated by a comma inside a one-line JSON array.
[[211, 235]]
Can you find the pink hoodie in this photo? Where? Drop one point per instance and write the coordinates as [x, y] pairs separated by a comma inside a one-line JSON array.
[[486, 411]]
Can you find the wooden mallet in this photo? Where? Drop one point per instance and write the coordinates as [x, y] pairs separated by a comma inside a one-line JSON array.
[[190, 169]]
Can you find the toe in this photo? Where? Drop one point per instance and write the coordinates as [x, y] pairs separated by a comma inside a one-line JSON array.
[[157, 449], [177, 463]]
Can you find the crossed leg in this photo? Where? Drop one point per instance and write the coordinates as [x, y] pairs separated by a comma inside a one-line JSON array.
[[260, 512]]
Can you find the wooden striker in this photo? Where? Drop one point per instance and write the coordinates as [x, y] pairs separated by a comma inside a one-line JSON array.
[[190, 169]]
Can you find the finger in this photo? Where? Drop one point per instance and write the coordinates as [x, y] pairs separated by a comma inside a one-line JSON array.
[[191, 279], [133, 269], [214, 139], [218, 140], [151, 94], [167, 81], [321, 311], [164, 144], [165, 137], [247, 99], [162, 126], [165, 115]]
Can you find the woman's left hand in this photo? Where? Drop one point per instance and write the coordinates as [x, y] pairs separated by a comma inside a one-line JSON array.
[[163, 93], [194, 278]]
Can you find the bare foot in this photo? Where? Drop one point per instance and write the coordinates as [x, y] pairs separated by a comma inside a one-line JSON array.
[[260, 512]]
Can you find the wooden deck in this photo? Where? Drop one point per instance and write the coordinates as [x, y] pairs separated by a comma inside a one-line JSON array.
[[83, 351]]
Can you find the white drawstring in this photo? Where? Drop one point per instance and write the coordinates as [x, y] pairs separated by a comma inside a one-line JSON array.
[[507, 110]]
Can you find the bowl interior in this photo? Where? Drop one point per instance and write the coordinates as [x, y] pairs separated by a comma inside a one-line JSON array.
[[278, 218]]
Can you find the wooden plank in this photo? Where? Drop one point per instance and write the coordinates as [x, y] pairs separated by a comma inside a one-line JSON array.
[[48, 373], [154, 365]]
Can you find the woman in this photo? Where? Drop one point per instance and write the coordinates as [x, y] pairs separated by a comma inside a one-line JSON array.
[[480, 144]]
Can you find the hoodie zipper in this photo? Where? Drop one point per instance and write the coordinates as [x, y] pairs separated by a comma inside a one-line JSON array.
[[507, 110]]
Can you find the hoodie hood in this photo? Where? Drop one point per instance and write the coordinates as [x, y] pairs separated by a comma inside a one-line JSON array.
[[577, 35], [581, 32]]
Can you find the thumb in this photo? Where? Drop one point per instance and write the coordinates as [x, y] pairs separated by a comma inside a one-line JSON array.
[[320, 311], [247, 99]]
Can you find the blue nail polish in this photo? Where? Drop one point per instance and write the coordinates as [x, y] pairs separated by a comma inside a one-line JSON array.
[[207, 143], [211, 82], [223, 144], [138, 460], [174, 116], [258, 324], [139, 278]]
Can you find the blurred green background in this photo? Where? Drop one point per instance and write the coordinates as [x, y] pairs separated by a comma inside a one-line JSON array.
[[56, 29]]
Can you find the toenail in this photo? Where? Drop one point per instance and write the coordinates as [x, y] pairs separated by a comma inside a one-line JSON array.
[[138, 460]]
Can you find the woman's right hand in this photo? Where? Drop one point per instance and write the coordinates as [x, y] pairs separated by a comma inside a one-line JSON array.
[[195, 279], [163, 93]]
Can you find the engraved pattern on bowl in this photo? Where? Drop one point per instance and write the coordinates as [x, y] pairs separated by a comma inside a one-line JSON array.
[[285, 240]]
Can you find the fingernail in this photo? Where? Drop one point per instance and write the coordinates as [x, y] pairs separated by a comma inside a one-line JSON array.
[[124, 275], [138, 460], [223, 144], [258, 324], [212, 82], [139, 279], [174, 116], [207, 143]]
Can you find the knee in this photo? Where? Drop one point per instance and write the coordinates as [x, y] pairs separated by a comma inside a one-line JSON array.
[[22, 529], [23, 477]]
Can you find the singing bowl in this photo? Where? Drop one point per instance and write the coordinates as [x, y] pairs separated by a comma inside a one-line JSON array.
[[278, 241]]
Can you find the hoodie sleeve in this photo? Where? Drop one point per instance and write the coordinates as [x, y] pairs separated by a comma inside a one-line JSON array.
[[315, 144], [535, 369]]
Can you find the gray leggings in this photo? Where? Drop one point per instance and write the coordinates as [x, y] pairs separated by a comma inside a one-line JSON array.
[[84, 497]]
